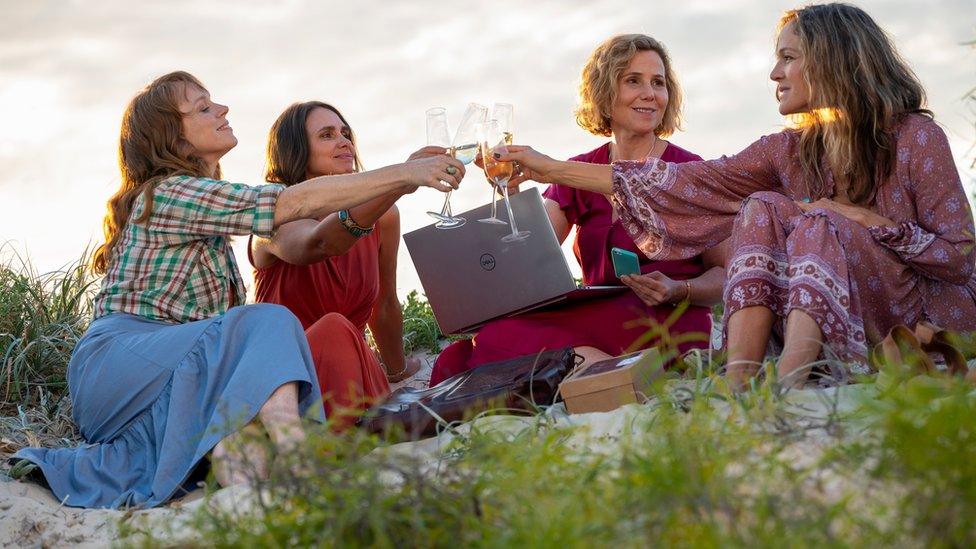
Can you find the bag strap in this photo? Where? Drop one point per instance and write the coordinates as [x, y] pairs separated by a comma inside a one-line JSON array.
[[912, 348]]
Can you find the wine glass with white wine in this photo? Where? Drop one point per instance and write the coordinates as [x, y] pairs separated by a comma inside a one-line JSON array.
[[499, 173], [438, 134], [504, 113], [464, 148]]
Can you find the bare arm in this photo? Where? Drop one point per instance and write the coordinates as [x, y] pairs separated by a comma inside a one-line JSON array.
[[544, 169], [705, 289], [557, 218], [717, 255], [656, 288], [321, 196], [386, 320], [307, 241]]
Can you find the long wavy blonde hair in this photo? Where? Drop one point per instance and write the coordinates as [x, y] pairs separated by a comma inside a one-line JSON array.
[[151, 148], [599, 84], [860, 87]]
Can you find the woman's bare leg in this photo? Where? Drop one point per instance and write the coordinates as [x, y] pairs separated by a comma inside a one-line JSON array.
[[244, 456], [280, 418], [748, 333], [803, 343], [241, 457]]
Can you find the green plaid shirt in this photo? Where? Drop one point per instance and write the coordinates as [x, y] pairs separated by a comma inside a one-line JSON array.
[[178, 265]]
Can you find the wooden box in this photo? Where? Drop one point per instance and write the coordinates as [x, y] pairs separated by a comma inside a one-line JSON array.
[[609, 384]]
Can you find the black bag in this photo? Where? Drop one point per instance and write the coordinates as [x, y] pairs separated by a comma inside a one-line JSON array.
[[522, 383]]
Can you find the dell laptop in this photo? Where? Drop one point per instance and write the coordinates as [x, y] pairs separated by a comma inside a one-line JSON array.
[[470, 276]]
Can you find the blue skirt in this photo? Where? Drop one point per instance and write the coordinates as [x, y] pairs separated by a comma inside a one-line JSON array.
[[152, 399]]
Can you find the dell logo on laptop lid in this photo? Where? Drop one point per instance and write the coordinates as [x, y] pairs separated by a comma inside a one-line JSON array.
[[487, 262]]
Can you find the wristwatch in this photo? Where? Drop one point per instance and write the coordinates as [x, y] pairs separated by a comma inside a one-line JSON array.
[[350, 225]]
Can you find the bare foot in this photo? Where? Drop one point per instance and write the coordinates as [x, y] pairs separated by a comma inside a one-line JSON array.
[[410, 369]]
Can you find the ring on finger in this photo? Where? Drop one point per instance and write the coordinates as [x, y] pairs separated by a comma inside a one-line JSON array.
[[451, 170]]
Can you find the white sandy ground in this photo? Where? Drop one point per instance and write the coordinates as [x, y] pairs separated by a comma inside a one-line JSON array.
[[30, 516]]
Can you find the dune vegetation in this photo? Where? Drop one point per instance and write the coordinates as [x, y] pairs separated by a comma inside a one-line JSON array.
[[889, 460]]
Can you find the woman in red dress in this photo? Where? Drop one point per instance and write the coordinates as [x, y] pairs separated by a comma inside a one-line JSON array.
[[337, 274], [629, 93]]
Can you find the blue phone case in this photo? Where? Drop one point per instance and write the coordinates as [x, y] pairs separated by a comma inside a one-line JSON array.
[[624, 262]]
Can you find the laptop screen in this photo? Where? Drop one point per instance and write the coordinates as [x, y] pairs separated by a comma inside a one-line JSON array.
[[470, 276]]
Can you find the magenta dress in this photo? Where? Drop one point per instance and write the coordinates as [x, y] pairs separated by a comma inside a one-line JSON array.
[[856, 282], [612, 324]]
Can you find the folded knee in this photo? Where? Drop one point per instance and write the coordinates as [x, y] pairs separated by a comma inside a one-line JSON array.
[[265, 314], [760, 207], [334, 323], [771, 198]]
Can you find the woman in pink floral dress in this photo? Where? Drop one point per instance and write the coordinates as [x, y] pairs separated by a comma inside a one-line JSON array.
[[849, 223]]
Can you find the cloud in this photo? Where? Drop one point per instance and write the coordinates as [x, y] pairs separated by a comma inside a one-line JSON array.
[[68, 68]]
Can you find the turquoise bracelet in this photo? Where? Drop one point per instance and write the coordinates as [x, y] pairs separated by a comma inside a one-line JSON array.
[[350, 225]]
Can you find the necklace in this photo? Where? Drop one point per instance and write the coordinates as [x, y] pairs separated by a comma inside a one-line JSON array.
[[613, 149]]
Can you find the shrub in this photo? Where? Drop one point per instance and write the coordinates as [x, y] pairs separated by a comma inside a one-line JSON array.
[[42, 316]]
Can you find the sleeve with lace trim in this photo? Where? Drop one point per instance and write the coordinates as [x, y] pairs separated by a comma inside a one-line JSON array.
[[939, 244], [675, 211]]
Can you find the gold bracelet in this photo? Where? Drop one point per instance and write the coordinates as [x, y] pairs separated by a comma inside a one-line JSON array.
[[687, 296]]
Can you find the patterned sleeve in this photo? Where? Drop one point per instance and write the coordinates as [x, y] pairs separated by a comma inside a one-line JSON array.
[[201, 207], [940, 244], [675, 211]]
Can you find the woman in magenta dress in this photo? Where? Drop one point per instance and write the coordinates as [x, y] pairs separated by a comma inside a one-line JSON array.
[[848, 224], [629, 93]]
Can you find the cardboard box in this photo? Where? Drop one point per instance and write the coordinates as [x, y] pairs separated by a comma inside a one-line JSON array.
[[609, 384]]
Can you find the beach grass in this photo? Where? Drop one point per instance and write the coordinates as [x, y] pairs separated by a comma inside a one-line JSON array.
[[420, 330], [42, 316], [890, 464], [696, 466]]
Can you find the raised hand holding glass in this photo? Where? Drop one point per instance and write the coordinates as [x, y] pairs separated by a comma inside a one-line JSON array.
[[438, 134], [499, 173], [485, 149]]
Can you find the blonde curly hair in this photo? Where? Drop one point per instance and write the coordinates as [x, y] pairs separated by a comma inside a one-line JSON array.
[[599, 84]]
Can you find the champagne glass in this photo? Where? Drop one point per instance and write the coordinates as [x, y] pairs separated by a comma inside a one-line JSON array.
[[485, 148], [439, 135], [504, 114], [500, 173]]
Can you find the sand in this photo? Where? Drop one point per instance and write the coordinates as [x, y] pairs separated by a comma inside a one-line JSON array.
[[30, 516]]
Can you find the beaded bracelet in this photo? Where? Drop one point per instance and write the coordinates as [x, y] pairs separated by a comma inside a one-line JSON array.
[[350, 225]]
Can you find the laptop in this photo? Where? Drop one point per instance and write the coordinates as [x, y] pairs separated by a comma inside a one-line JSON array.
[[470, 276]]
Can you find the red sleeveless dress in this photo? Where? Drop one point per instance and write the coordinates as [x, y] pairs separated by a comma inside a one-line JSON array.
[[333, 299], [612, 324]]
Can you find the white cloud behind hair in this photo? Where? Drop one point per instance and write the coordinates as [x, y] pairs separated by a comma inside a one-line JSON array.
[[68, 69]]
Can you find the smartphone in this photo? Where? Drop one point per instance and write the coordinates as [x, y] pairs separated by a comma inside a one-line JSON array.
[[624, 262]]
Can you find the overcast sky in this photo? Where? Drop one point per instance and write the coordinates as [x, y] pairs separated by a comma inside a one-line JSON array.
[[67, 69]]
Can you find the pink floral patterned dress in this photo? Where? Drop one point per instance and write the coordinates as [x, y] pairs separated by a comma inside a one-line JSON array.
[[611, 324], [856, 282]]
